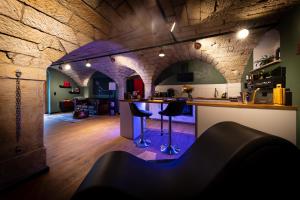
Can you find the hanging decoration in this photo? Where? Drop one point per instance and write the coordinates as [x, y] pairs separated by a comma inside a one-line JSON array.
[[18, 110]]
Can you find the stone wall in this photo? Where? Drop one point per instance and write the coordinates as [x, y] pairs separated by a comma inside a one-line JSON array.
[[21, 159], [33, 34]]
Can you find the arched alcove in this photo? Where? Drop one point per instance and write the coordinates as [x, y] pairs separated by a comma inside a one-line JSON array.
[[200, 75], [100, 86], [56, 91], [203, 73], [135, 86]]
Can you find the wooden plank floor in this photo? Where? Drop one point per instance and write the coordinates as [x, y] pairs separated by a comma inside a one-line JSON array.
[[72, 149]]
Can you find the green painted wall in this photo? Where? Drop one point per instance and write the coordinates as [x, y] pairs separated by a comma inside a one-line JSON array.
[[204, 73], [103, 80], [289, 42], [289, 29], [56, 78]]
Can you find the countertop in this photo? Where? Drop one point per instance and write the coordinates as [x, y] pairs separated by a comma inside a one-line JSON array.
[[217, 103]]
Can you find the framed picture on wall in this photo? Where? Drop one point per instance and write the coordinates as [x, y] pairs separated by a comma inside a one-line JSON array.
[[112, 86]]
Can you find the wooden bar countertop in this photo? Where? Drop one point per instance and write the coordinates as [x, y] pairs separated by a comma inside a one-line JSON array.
[[218, 103]]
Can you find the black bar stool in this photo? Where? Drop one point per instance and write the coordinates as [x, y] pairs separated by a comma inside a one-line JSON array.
[[161, 120], [141, 142], [174, 108]]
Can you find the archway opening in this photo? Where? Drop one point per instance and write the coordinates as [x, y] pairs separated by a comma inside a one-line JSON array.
[[135, 87], [60, 92], [203, 77]]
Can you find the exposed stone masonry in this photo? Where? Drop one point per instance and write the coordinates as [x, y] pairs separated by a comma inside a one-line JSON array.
[[33, 34]]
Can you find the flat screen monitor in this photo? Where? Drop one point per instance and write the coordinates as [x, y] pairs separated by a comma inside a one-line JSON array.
[[185, 77]]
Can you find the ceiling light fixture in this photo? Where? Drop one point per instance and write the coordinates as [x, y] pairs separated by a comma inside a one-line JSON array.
[[88, 64], [67, 66], [173, 26], [242, 34], [161, 53]]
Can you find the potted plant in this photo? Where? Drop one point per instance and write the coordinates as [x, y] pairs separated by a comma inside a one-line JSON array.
[[264, 60]]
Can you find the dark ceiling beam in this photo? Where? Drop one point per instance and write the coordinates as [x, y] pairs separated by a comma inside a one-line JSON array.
[[161, 45], [165, 17]]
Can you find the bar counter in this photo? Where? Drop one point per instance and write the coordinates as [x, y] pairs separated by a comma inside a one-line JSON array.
[[277, 120], [217, 103]]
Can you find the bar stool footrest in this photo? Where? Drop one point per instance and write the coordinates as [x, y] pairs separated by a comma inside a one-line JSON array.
[[169, 149], [142, 143]]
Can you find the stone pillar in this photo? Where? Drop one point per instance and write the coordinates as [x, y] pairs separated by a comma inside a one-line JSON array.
[[86, 92], [18, 160], [149, 89], [121, 88]]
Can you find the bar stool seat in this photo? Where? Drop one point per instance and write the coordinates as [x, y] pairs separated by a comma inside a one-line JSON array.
[[174, 108], [141, 142]]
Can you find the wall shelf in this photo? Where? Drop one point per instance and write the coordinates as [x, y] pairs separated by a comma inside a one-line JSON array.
[[266, 65], [62, 86]]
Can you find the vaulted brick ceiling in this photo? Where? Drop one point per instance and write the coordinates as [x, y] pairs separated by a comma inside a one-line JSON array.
[[132, 24]]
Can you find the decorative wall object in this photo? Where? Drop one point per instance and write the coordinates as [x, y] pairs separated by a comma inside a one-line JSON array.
[[66, 84], [75, 91]]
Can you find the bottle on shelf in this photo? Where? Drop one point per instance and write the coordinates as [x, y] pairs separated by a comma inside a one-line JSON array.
[[288, 97], [279, 95]]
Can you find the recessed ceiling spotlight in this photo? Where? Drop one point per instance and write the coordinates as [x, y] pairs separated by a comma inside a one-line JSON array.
[[161, 53], [67, 66], [242, 34], [173, 26], [88, 64]]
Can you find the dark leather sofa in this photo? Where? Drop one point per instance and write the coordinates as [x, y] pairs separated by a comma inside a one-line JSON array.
[[228, 160]]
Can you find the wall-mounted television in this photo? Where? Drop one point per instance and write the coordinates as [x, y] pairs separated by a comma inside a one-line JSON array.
[[185, 77]]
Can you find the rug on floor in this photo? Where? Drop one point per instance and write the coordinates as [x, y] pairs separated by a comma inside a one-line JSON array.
[[182, 140]]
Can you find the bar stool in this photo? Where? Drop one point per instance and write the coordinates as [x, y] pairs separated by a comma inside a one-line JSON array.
[[141, 142], [174, 108]]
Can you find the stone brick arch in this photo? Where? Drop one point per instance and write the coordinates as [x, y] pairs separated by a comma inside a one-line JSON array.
[[228, 54], [133, 62], [176, 56], [79, 76], [37, 33], [160, 72], [118, 66]]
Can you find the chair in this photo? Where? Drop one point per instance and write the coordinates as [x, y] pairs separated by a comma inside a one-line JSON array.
[[141, 142], [228, 160], [174, 108]]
